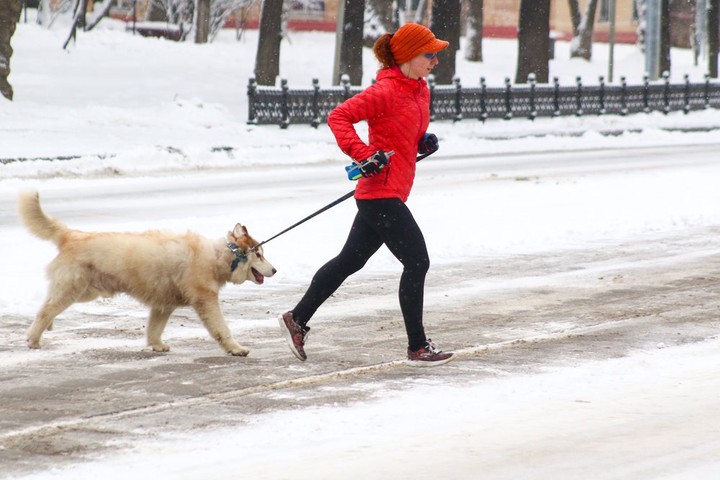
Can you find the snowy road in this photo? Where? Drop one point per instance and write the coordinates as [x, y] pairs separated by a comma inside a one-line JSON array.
[[596, 267], [175, 194]]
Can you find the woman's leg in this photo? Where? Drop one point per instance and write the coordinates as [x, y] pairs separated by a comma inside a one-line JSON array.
[[361, 244], [395, 226]]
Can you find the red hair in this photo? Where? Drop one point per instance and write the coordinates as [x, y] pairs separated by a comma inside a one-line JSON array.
[[382, 51]]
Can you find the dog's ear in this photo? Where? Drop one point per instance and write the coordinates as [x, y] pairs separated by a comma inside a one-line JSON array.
[[239, 231]]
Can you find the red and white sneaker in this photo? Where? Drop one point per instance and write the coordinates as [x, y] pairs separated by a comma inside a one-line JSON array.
[[294, 334], [428, 356]]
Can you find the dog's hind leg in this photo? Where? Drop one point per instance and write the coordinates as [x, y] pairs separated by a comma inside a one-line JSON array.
[[156, 325], [53, 306], [212, 318]]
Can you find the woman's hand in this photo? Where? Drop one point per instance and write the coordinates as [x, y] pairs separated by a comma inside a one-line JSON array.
[[428, 144]]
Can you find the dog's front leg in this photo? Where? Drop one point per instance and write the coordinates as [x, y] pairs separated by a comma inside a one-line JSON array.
[[212, 318]]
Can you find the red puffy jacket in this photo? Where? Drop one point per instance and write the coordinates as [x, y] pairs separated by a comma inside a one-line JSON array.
[[397, 109]]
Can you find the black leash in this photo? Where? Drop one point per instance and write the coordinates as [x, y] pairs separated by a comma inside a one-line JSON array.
[[326, 207]]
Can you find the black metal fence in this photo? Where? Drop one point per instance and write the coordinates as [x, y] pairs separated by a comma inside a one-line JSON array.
[[283, 106]]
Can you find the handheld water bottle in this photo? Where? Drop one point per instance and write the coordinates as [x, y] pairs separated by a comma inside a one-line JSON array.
[[355, 169]]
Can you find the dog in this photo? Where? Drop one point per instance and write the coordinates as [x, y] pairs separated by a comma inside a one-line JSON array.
[[163, 270]]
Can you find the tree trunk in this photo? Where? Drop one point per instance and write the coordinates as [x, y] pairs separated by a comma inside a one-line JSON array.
[[9, 16], [473, 51], [202, 21], [533, 41], [267, 62], [351, 42], [445, 24], [104, 13], [713, 39], [575, 16], [384, 11], [421, 12], [582, 42], [78, 21], [664, 36]]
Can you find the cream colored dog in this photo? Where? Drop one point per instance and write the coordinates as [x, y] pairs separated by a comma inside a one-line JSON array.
[[162, 270]]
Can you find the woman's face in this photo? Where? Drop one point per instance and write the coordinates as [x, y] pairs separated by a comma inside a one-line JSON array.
[[420, 66]]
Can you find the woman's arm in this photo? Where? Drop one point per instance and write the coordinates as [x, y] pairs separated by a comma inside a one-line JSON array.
[[372, 102]]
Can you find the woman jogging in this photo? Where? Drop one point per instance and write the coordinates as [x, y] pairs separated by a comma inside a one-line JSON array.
[[397, 110]]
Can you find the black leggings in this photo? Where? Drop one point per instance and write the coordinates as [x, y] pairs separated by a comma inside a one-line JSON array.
[[384, 221]]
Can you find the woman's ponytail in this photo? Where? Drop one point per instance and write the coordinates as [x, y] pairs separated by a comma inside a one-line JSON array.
[[382, 51]]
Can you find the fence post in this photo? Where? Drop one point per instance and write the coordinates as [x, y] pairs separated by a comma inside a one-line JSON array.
[[578, 97], [316, 103], [483, 104], [646, 93], [508, 99], [686, 94], [284, 107], [251, 91], [623, 96], [431, 83], [458, 100], [707, 91], [531, 82], [602, 96], [556, 97], [666, 92]]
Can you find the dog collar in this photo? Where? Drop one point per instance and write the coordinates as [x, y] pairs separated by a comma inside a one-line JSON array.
[[240, 256]]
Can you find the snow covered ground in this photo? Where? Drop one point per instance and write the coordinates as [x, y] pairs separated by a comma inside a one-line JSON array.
[[144, 121]]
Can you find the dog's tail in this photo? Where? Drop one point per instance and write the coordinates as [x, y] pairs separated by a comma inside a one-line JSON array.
[[39, 224]]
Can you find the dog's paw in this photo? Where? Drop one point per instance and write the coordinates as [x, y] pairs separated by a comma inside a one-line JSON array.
[[238, 351], [160, 347], [33, 343]]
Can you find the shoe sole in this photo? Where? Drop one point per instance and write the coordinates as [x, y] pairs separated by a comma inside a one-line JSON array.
[[288, 338], [428, 363]]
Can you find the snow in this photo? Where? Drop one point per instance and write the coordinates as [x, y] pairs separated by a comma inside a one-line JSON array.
[[136, 113], [552, 410]]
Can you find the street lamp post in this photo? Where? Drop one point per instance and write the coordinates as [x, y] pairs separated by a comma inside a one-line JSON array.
[[652, 39], [611, 55]]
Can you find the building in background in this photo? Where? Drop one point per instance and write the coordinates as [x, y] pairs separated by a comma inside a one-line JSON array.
[[500, 17]]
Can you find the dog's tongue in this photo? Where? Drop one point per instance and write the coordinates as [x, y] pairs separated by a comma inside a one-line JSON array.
[[259, 278]]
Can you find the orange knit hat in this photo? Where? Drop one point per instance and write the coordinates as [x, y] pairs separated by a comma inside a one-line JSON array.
[[413, 39]]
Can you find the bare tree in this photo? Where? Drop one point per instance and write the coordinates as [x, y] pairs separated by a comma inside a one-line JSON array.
[[421, 11], [222, 10], [473, 51], [267, 61], [445, 24], [9, 16], [79, 21], [713, 40], [664, 36], [103, 13], [381, 12], [202, 21], [581, 46], [575, 16], [533, 41], [350, 42]]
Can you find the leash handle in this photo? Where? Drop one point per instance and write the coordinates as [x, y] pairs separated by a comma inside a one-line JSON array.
[[326, 207]]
